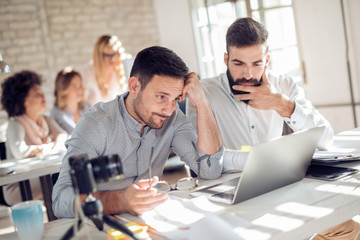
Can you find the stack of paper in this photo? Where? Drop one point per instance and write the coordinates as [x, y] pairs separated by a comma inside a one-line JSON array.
[[333, 157]]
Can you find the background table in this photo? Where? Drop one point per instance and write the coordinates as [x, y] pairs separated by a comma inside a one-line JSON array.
[[29, 168]]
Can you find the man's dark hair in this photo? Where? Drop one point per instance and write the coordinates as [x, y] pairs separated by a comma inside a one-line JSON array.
[[15, 89], [245, 32], [157, 61]]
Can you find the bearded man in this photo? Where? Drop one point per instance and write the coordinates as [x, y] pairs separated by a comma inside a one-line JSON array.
[[143, 126]]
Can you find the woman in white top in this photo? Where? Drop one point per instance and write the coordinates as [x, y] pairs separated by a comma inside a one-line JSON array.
[[104, 77], [69, 99], [29, 132]]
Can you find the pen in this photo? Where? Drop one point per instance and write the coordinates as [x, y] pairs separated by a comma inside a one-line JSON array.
[[149, 172]]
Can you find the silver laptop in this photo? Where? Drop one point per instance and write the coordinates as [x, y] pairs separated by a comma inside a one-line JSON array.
[[269, 165]]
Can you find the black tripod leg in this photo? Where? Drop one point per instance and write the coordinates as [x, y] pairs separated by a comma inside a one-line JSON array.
[[70, 232], [98, 222], [119, 226]]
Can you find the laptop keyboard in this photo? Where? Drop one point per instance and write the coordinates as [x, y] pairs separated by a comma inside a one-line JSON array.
[[228, 194]]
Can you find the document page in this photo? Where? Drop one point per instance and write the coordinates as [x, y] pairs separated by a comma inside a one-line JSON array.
[[195, 218]]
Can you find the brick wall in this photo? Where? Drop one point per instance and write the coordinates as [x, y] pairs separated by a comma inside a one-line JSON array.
[[47, 35]]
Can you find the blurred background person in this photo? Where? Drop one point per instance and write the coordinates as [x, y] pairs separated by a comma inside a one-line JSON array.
[[104, 77], [69, 99], [29, 132]]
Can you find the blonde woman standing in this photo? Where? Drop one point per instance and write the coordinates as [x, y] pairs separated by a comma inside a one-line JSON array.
[[104, 77]]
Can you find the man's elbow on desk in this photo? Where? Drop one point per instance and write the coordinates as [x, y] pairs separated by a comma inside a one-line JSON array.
[[212, 166]]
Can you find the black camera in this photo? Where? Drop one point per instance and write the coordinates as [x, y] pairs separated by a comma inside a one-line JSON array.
[[86, 173]]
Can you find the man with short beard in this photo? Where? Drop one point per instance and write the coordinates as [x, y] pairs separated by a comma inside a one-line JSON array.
[[142, 126], [251, 104]]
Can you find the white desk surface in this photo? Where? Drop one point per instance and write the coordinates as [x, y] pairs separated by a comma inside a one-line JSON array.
[[296, 211], [30, 168], [299, 210]]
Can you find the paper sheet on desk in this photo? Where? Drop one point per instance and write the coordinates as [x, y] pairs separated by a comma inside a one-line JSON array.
[[333, 157], [189, 219]]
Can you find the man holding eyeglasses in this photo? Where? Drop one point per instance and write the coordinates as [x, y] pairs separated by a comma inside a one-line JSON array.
[[142, 126], [251, 104]]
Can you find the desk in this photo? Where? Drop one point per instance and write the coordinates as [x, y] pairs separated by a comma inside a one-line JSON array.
[[296, 211], [301, 209], [55, 229], [29, 168]]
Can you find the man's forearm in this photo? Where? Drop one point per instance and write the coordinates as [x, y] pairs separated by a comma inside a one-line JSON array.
[[208, 132], [112, 201], [285, 107]]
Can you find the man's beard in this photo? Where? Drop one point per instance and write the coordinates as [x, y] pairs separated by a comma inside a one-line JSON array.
[[238, 81], [140, 112]]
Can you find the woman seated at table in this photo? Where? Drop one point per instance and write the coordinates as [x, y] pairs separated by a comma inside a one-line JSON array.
[[69, 99], [29, 132]]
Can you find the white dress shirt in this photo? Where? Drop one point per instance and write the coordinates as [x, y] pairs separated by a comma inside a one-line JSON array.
[[241, 124], [92, 92]]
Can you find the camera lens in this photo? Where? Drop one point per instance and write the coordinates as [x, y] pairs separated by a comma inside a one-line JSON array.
[[106, 168]]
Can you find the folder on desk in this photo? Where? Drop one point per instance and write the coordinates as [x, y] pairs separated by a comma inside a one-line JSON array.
[[330, 173], [334, 157]]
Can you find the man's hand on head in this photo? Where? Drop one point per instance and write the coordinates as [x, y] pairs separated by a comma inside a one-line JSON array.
[[193, 90], [209, 138]]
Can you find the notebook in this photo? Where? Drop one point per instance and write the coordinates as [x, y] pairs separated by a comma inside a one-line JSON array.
[[269, 165]]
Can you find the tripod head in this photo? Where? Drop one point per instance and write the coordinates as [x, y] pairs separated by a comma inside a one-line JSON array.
[[92, 208], [85, 174]]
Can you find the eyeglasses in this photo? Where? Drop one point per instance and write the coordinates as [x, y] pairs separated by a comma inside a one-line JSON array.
[[183, 184], [109, 57]]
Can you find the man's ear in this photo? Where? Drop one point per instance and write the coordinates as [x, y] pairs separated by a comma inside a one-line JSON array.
[[134, 85], [267, 59], [226, 58]]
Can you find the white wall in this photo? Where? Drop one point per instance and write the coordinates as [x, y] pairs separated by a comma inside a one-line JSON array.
[[352, 8], [175, 29], [319, 24], [322, 44], [47, 35]]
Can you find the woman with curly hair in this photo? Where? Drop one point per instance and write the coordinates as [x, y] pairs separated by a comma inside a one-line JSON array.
[[104, 77], [69, 99], [29, 132]]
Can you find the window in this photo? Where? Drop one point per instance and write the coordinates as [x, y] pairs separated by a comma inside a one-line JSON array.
[[211, 18]]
